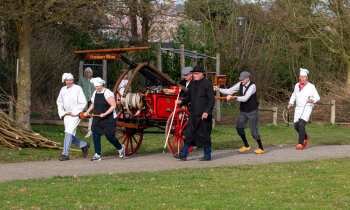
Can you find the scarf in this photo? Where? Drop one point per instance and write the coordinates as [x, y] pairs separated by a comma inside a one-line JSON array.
[[302, 85]]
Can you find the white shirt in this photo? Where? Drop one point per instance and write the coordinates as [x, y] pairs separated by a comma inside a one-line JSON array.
[[107, 94], [235, 88], [71, 100]]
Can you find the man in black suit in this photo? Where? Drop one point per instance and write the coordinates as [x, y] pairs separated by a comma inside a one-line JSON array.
[[201, 96]]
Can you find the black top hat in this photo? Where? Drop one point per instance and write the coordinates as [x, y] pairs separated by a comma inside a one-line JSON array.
[[198, 69]]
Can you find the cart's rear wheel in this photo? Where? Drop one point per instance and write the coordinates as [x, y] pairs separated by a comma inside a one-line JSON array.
[[176, 138], [131, 138]]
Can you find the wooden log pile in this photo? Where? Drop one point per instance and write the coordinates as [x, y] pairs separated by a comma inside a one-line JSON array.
[[16, 137]]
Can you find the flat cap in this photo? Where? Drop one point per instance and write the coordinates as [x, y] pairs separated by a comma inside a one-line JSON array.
[[244, 75], [187, 70]]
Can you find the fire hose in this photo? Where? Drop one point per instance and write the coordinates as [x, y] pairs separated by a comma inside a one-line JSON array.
[[131, 101]]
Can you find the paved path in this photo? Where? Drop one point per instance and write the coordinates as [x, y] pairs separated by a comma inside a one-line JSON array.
[[157, 162]]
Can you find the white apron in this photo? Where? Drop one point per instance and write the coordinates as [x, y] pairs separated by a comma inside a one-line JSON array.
[[302, 113], [71, 100]]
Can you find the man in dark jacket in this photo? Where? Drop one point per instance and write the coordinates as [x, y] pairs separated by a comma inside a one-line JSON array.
[[201, 96], [186, 72], [249, 110]]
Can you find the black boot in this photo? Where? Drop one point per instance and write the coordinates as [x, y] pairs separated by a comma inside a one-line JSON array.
[[85, 150], [205, 158], [64, 157], [180, 156]]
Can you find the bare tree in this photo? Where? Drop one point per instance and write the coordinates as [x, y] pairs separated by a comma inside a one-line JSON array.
[[29, 14], [325, 20], [135, 20]]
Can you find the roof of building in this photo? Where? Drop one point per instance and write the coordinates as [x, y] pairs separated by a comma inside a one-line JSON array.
[[188, 53]]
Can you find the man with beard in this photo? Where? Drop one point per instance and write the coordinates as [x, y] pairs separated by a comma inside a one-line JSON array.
[[201, 96]]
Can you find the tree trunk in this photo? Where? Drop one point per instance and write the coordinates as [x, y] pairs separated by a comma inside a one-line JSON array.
[[24, 74], [347, 66], [2, 37], [145, 11], [145, 32], [132, 4]]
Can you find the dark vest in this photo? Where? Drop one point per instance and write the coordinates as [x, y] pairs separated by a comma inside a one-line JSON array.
[[252, 103]]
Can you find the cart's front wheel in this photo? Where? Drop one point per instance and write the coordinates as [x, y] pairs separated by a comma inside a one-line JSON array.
[[176, 136], [132, 139]]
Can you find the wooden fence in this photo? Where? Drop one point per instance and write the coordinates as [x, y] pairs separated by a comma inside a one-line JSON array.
[[55, 122], [274, 113], [332, 104], [274, 110]]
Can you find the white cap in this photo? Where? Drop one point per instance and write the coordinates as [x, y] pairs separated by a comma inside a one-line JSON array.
[[97, 81], [67, 76], [88, 69], [303, 72]]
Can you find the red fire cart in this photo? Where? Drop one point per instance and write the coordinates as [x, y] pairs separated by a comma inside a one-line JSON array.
[[152, 105]]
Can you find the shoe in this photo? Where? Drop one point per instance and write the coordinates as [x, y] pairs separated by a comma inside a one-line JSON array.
[[122, 152], [205, 158], [85, 150], [88, 134], [180, 156], [96, 157], [305, 142], [299, 146], [259, 151], [64, 157], [244, 149]]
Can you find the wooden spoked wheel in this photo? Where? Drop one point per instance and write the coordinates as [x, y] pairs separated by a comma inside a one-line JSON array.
[[176, 138], [130, 137]]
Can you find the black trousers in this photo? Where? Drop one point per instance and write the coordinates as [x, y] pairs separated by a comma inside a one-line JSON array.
[[300, 128]]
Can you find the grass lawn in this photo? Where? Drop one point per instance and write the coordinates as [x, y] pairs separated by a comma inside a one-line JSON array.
[[223, 137], [320, 184]]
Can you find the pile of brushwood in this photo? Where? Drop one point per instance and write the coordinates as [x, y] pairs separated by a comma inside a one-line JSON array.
[[16, 137]]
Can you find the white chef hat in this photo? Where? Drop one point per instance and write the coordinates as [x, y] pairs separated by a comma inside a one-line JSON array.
[[303, 72], [88, 69], [67, 76], [97, 81]]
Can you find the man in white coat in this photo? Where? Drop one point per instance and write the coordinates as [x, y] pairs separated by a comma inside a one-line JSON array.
[[70, 102], [305, 95]]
